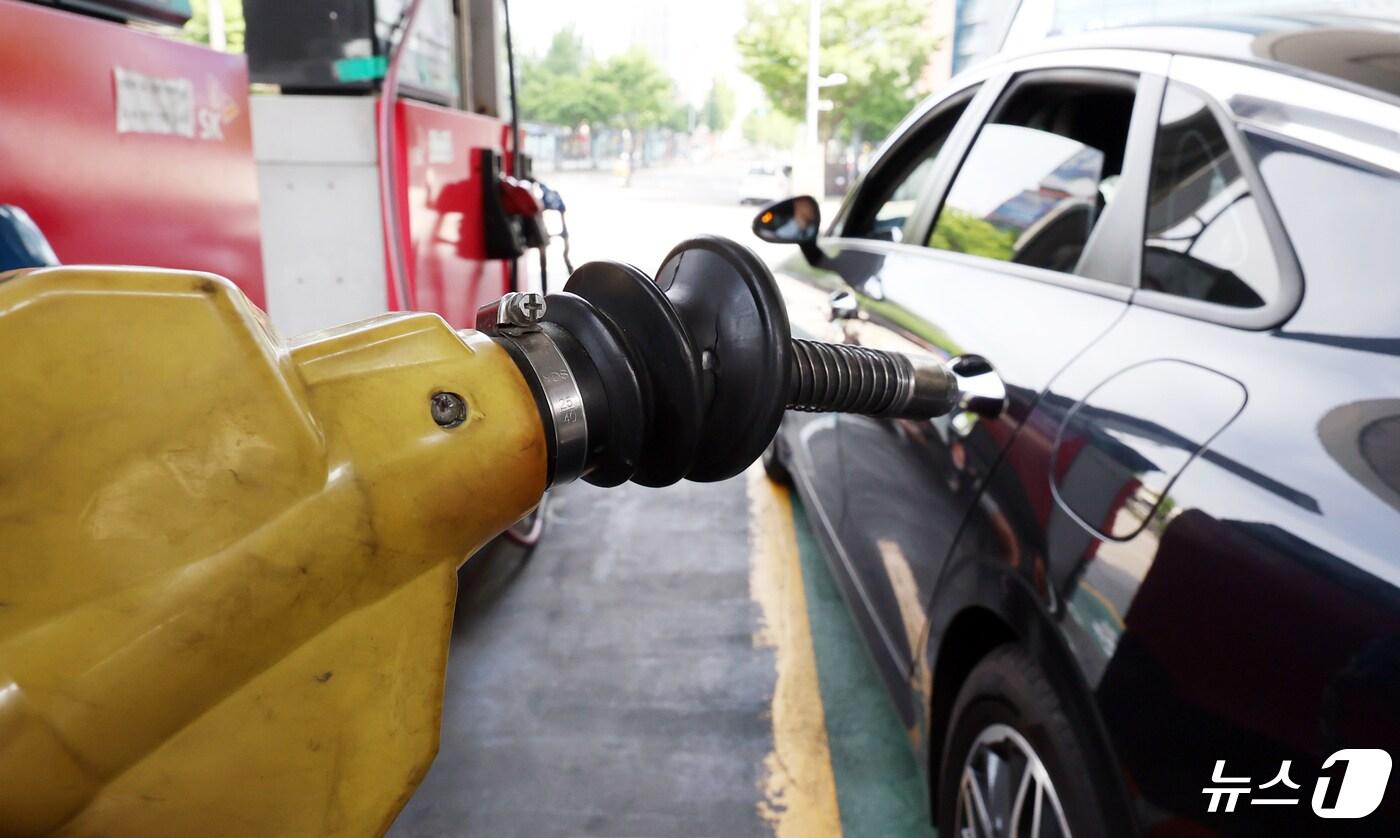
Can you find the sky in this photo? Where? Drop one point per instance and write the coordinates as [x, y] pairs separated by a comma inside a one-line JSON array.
[[693, 42]]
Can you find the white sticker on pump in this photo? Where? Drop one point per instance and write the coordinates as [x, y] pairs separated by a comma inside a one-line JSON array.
[[153, 105], [440, 149]]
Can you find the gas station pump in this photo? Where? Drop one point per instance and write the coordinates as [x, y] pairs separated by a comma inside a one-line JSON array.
[[350, 184], [125, 147], [380, 125]]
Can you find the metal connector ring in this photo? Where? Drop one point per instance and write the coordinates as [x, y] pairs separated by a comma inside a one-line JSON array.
[[568, 420]]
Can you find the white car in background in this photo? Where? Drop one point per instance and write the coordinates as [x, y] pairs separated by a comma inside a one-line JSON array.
[[765, 182]]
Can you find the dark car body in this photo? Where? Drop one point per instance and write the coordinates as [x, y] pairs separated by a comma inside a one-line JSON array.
[[1188, 510]]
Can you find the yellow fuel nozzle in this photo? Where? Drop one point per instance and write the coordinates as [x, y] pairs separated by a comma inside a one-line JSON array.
[[229, 561]]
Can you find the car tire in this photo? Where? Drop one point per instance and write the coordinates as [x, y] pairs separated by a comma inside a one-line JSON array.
[[774, 466], [1008, 722]]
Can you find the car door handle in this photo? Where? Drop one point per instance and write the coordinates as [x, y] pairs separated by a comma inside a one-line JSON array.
[[842, 305]]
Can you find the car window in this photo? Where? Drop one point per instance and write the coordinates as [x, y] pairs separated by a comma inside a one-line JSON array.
[[1039, 175], [893, 199], [1339, 214], [896, 209], [1206, 239]]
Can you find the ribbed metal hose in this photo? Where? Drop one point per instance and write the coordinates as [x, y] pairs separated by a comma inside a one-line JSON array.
[[835, 377]]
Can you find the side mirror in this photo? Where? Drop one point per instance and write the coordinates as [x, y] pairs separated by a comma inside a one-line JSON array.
[[792, 221]]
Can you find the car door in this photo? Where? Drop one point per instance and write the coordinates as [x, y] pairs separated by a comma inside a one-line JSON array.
[[1014, 255]]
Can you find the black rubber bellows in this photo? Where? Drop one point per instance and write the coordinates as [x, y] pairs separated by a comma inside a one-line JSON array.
[[694, 365]]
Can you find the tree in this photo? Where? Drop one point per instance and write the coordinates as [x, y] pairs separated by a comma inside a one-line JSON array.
[[567, 87], [719, 106], [642, 94], [636, 93], [770, 129], [882, 46], [682, 117], [556, 88], [569, 99], [566, 54], [197, 27]]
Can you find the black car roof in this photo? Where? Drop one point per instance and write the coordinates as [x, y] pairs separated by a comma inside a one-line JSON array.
[[1346, 50]]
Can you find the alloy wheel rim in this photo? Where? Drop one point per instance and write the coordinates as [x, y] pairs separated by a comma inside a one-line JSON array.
[[1005, 790]]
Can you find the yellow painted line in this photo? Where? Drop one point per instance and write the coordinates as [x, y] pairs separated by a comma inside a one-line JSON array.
[[798, 787], [1103, 600]]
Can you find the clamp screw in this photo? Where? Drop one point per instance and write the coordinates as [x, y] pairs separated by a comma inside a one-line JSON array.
[[448, 409], [523, 309]]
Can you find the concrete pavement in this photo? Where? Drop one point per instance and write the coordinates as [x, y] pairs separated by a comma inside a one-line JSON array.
[[609, 685], [668, 662]]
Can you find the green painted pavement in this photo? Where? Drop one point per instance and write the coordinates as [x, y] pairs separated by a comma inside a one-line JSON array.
[[879, 786]]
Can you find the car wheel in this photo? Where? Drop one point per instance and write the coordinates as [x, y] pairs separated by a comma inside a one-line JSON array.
[[773, 465], [1012, 765]]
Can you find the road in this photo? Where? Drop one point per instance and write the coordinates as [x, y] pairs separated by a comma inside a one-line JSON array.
[[663, 206], [669, 661]]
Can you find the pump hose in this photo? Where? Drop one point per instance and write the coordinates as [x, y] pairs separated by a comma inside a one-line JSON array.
[[842, 378]]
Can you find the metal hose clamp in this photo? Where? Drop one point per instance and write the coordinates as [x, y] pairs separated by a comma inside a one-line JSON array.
[[516, 318], [568, 422]]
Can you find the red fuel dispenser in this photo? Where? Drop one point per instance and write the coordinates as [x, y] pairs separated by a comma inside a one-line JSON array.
[[126, 147]]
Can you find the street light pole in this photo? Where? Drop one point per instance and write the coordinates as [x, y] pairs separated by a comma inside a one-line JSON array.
[[814, 45], [218, 32]]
